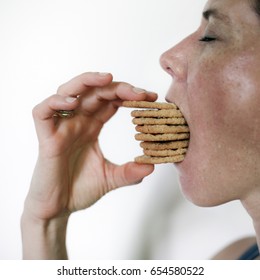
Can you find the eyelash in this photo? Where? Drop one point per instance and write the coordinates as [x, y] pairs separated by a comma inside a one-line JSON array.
[[207, 39]]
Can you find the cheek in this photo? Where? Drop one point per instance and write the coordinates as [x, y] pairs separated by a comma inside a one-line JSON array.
[[241, 91], [223, 114], [224, 100], [240, 81]]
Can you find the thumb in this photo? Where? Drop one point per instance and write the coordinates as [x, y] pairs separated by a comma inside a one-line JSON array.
[[129, 174]]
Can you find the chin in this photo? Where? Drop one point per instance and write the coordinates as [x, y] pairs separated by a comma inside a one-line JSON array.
[[196, 182]]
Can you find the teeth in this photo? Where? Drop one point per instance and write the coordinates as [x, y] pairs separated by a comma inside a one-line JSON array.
[[162, 129]]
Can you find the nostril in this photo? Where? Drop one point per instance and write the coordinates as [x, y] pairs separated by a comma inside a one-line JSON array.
[[169, 70], [174, 62]]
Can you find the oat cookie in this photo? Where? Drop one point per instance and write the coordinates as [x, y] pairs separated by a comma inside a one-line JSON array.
[[169, 145], [161, 137], [158, 160], [165, 153], [150, 105], [164, 113], [163, 130], [159, 121], [159, 129]]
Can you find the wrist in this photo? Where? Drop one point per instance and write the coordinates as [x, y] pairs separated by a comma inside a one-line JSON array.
[[44, 238]]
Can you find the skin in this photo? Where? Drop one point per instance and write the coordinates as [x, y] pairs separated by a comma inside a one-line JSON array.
[[216, 85], [71, 172]]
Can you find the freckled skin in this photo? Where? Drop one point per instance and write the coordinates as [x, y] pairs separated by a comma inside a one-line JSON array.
[[217, 86]]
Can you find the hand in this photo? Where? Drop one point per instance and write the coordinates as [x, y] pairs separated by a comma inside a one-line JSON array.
[[71, 172]]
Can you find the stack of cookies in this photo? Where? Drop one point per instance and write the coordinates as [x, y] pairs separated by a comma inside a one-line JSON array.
[[162, 129]]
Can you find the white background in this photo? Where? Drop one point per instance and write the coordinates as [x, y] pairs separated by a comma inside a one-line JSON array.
[[45, 43]]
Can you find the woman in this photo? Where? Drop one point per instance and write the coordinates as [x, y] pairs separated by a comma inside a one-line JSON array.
[[216, 85]]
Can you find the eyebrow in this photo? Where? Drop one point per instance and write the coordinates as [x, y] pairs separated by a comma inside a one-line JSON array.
[[215, 14]]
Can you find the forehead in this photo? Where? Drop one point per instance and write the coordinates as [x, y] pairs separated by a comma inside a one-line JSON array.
[[235, 10], [229, 3]]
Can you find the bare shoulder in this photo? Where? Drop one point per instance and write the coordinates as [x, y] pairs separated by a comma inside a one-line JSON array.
[[236, 249]]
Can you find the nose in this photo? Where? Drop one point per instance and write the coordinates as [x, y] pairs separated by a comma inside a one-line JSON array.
[[175, 62]]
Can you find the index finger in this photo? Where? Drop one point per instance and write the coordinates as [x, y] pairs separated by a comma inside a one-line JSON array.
[[100, 98], [81, 83]]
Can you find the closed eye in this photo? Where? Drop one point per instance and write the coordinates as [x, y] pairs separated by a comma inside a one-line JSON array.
[[207, 39]]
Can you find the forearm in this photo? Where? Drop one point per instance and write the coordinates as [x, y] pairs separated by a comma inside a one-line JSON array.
[[44, 240]]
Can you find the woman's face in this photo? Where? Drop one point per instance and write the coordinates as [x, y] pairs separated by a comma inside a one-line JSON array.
[[216, 84]]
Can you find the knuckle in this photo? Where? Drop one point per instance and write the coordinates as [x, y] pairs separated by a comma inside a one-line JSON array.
[[61, 89], [35, 111], [122, 86], [40, 107]]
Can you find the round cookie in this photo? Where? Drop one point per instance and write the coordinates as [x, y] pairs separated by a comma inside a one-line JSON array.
[[164, 113], [170, 145], [159, 121], [163, 130], [159, 129], [158, 160], [147, 104], [161, 137], [165, 153]]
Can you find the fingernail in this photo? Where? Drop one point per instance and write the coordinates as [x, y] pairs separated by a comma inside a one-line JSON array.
[[103, 73], [70, 99], [138, 90]]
